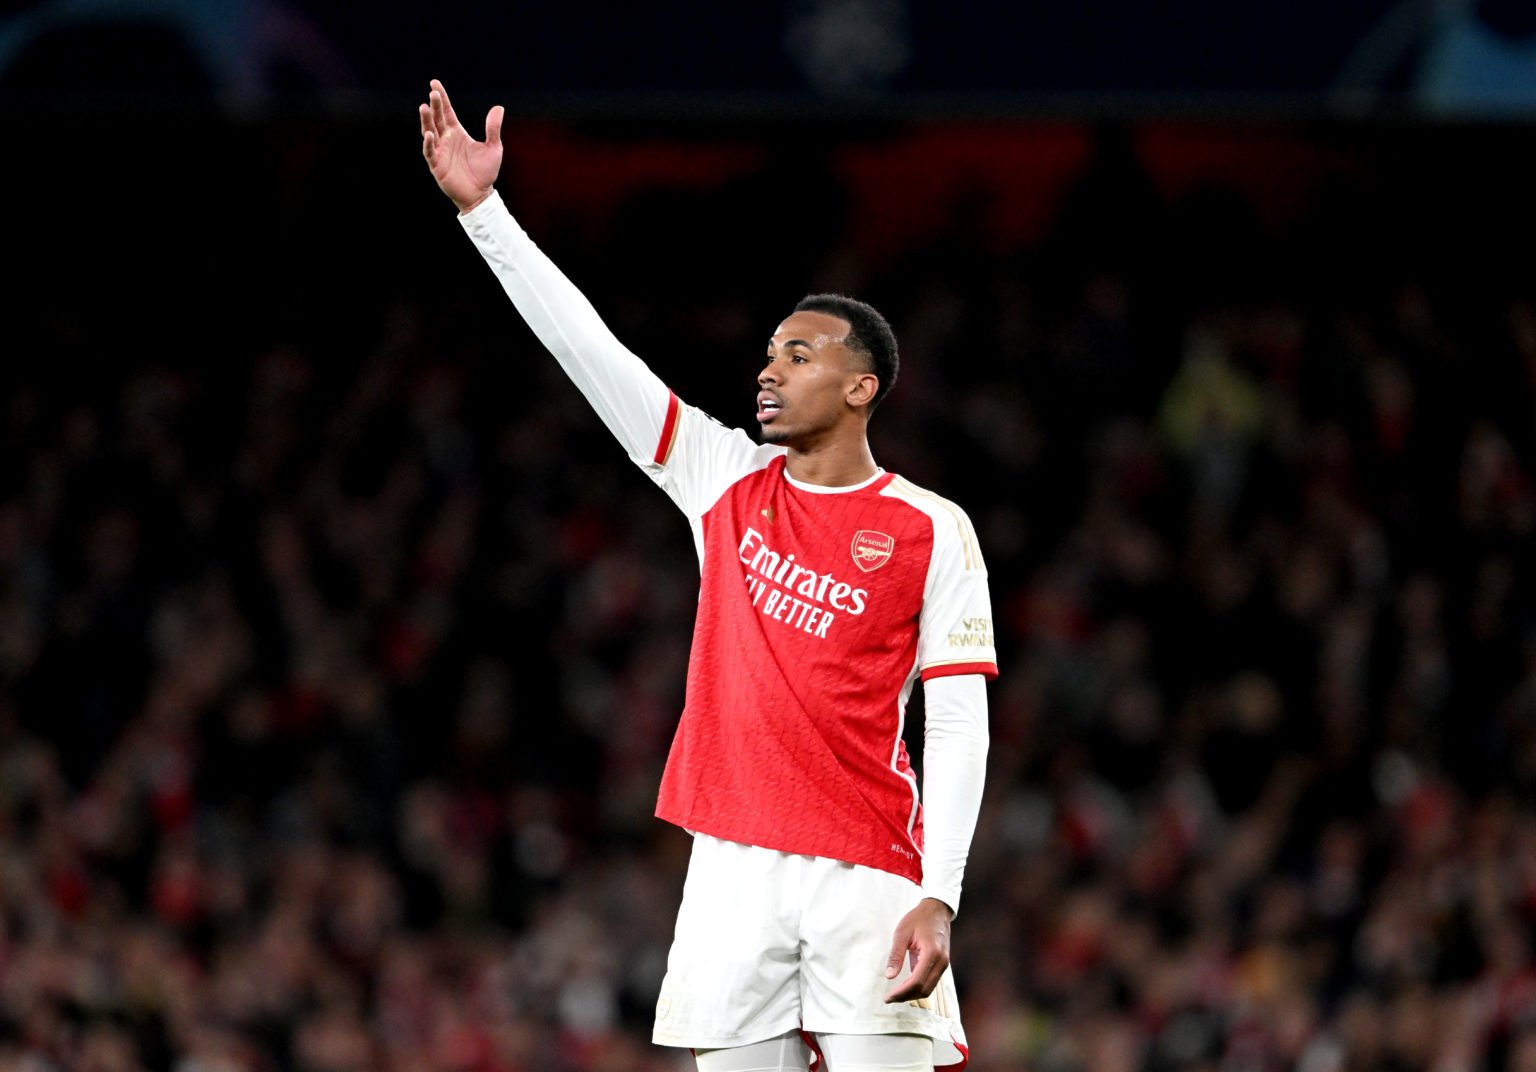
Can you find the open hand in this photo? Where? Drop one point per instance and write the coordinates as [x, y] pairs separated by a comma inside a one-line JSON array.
[[463, 167]]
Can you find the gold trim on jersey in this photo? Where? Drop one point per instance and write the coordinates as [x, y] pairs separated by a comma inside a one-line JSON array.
[[968, 541], [954, 662]]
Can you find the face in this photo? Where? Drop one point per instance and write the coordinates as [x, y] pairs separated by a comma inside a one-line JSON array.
[[811, 381]]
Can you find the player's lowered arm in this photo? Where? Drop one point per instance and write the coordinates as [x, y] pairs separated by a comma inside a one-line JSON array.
[[954, 769]]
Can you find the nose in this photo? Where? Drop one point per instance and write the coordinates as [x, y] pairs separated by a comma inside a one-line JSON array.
[[767, 376]]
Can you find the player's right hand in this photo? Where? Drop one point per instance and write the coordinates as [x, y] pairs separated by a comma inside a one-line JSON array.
[[465, 168]]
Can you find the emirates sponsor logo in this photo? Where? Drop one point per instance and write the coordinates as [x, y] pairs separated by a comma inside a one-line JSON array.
[[797, 595], [871, 550]]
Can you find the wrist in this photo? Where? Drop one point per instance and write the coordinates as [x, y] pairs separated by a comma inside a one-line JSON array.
[[940, 906], [468, 206]]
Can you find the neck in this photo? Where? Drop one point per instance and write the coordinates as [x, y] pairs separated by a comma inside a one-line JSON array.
[[832, 465]]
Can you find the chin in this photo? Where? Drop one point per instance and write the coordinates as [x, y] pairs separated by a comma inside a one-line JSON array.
[[769, 434]]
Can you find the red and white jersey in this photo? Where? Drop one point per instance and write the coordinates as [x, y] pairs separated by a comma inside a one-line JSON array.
[[819, 607], [818, 610]]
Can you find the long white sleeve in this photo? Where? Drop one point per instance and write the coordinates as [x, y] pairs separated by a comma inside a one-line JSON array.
[[954, 768], [629, 398]]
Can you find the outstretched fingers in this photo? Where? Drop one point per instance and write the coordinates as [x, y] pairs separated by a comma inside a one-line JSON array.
[[443, 116], [428, 133], [465, 169]]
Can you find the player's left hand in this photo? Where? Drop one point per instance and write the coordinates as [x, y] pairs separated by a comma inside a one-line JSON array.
[[922, 935]]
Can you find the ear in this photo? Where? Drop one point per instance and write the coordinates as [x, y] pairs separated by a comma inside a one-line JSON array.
[[863, 390]]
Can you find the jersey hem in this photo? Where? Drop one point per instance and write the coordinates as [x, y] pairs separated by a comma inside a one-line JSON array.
[[913, 874]]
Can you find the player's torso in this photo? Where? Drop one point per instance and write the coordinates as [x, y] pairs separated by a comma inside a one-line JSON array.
[[832, 582]]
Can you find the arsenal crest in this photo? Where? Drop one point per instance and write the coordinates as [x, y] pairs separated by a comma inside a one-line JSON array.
[[871, 550]]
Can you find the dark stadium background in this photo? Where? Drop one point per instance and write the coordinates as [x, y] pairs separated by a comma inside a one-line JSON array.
[[340, 648]]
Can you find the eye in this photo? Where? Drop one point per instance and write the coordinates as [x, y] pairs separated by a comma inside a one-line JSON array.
[[798, 359]]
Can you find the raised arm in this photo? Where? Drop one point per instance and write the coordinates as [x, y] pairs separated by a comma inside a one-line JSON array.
[[635, 405]]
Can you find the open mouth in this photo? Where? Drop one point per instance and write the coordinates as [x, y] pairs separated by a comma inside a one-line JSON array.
[[767, 407]]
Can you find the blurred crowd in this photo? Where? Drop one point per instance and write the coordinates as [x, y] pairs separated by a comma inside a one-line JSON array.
[[335, 683]]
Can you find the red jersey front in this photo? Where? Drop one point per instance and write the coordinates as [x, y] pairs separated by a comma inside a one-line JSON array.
[[818, 610]]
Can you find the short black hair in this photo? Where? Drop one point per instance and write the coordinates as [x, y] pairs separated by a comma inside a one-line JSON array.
[[869, 334]]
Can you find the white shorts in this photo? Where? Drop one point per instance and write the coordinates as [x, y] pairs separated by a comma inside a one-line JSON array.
[[768, 943]]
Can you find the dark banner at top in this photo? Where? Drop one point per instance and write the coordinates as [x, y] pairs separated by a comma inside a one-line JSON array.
[[691, 57]]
